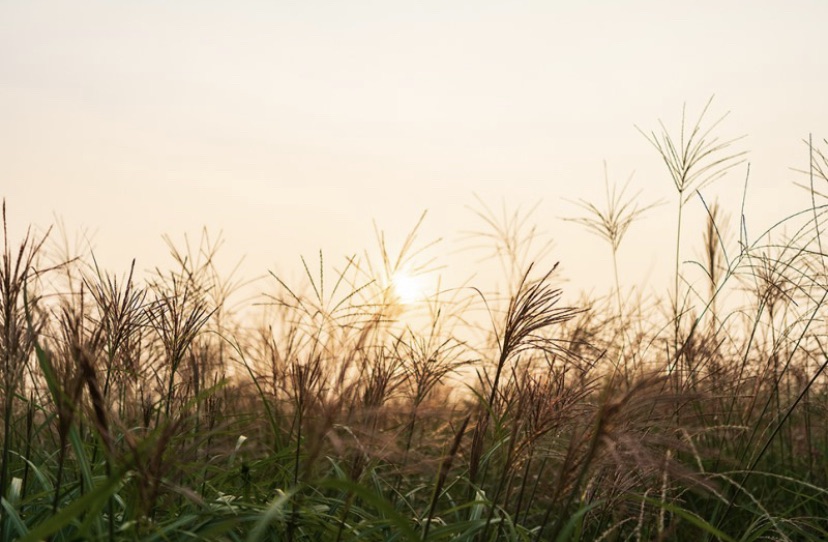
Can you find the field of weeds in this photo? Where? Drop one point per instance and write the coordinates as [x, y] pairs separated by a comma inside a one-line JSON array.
[[163, 409]]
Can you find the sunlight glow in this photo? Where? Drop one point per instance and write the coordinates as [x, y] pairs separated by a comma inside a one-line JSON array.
[[407, 289]]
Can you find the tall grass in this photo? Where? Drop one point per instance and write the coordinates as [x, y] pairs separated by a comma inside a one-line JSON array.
[[167, 408]]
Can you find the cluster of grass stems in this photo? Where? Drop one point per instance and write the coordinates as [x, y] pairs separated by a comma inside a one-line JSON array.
[[161, 410]]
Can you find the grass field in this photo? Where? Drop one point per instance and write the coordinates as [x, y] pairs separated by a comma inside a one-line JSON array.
[[162, 409]]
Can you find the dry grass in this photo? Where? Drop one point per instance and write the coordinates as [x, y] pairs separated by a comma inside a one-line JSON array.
[[151, 410]]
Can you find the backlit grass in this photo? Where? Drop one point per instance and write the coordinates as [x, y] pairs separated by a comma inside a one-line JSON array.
[[358, 405]]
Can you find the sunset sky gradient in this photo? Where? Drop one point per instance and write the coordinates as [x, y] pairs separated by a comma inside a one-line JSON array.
[[291, 126]]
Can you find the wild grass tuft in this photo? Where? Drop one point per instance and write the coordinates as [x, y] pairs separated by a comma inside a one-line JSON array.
[[328, 408]]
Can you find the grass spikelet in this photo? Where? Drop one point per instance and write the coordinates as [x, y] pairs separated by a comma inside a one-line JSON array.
[[176, 404]]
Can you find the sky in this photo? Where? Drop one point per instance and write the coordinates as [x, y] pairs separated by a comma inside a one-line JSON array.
[[297, 126]]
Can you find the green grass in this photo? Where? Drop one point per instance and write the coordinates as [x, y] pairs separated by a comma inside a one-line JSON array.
[[161, 410]]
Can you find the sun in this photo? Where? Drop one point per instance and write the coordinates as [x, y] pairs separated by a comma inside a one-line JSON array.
[[407, 289]]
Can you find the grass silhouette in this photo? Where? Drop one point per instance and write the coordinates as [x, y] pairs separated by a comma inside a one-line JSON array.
[[152, 410]]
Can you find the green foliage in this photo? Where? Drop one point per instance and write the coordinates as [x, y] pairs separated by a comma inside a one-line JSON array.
[[158, 411]]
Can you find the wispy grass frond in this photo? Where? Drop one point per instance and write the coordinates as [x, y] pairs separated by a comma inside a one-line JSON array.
[[695, 157], [156, 410], [612, 221]]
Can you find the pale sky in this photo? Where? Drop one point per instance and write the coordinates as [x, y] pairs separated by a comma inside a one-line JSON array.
[[290, 126]]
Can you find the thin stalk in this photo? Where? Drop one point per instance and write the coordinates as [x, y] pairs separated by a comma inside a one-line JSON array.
[[676, 311], [445, 466]]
